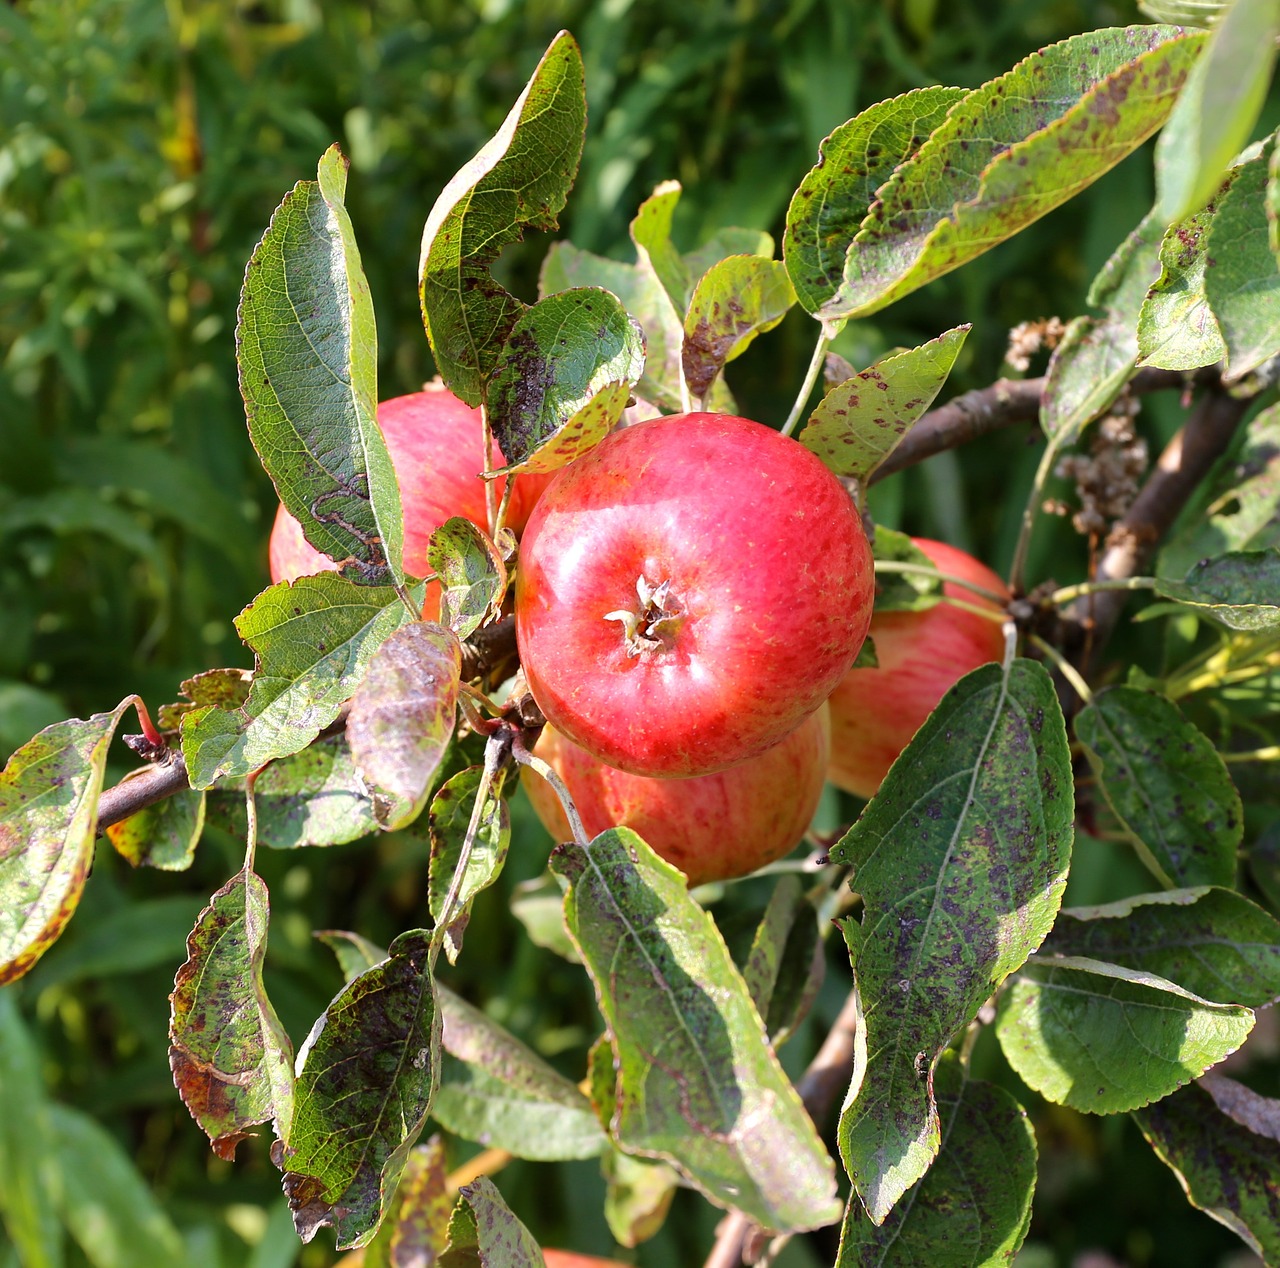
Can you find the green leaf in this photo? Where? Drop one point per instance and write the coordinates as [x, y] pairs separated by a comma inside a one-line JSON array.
[[1222, 1141], [1245, 511], [1212, 942], [31, 1180], [736, 300], [563, 377], [973, 1206], [312, 640], [163, 836], [1176, 327], [698, 1084], [226, 688], [1009, 152], [861, 421], [904, 591], [520, 178], [367, 1074], [1103, 1039], [402, 717], [961, 860], [721, 245], [1273, 202], [471, 572], [1217, 109], [832, 201], [419, 1229], [498, 1092], [538, 905], [657, 254], [1166, 784], [315, 797], [48, 821], [231, 1059], [1095, 357], [108, 1205], [637, 1197], [784, 967], [1243, 287], [483, 1232], [1240, 589], [355, 954], [308, 355], [449, 818]]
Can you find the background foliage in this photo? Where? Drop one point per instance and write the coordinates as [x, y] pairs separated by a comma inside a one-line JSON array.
[[142, 150]]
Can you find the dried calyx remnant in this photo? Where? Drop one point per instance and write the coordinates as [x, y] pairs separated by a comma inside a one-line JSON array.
[[653, 625]]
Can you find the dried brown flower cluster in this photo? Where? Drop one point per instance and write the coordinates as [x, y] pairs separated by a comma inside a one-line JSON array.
[[1107, 477], [1028, 337]]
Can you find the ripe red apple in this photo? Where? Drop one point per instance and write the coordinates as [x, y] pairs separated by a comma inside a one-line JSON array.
[[875, 712], [689, 592], [436, 445], [571, 1259], [712, 827]]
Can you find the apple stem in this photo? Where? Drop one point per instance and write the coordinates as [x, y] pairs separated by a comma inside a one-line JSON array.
[[537, 765], [499, 521], [1064, 667], [806, 388], [927, 570]]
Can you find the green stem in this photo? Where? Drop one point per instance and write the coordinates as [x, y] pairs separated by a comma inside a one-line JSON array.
[[538, 766], [251, 814], [1067, 593], [490, 491], [499, 522], [1064, 667], [926, 570], [1269, 754], [806, 388], [415, 610], [1043, 471]]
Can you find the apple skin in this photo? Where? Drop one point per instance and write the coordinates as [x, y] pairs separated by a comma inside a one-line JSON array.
[[875, 712], [712, 827], [771, 584], [571, 1259], [435, 443]]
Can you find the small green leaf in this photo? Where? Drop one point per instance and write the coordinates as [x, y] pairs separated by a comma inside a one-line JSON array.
[[657, 254], [721, 245], [366, 1078], [496, 1091], [784, 968], [638, 1196], [973, 1206], [1240, 589], [1166, 784], [312, 639], [1222, 1141], [961, 860], [471, 572], [108, 1205], [904, 591], [402, 716], [1217, 109], [860, 422], [163, 836], [853, 162], [1243, 286], [226, 688], [483, 1232], [1009, 152], [698, 1084], [1095, 357], [315, 797], [355, 954], [1103, 1039], [48, 821], [547, 407], [737, 299], [1212, 942], [232, 1062], [308, 355], [449, 818], [520, 179], [538, 904], [1176, 327]]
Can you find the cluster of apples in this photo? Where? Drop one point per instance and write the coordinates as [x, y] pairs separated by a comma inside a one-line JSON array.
[[690, 600]]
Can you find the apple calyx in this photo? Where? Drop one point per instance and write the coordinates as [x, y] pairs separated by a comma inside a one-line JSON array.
[[654, 624]]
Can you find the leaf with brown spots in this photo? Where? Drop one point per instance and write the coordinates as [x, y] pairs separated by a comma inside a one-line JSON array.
[[861, 421], [1009, 152], [961, 860], [564, 377], [1240, 589], [1222, 1141], [164, 835], [737, 299], [231, 1059], [483, 1232], [402, 717], [308, 355], [471, 572], [698, 1084], [520, 179], [48, 821]]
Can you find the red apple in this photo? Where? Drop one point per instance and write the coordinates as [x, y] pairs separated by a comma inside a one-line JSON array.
[[571, 1259], [711, 827], [689, 592], [436, 443], [875, 712]]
